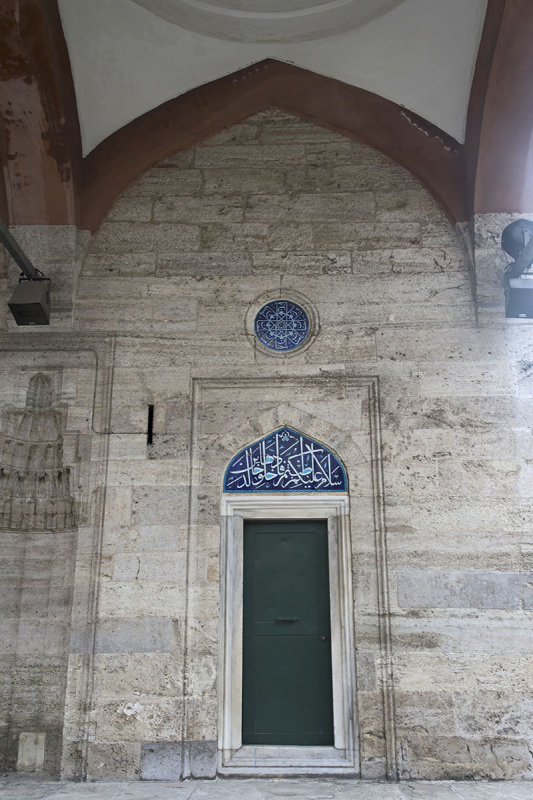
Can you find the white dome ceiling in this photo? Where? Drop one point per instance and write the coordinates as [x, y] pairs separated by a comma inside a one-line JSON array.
[[268, 20], [126, 59]]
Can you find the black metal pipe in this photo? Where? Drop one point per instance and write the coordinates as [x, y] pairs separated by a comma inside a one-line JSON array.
[[15, 250]]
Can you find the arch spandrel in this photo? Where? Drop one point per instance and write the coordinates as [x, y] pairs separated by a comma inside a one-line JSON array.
[[285, 460]]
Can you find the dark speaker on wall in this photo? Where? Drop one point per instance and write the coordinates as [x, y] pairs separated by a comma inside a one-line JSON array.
[[517, 241], [519, 297], [30, 302]]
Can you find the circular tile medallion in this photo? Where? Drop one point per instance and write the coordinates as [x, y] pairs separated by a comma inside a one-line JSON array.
[[281, 325]]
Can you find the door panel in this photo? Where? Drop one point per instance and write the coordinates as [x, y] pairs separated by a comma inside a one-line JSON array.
[[287, 690]]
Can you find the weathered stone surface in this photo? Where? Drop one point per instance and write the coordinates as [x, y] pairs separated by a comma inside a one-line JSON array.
[[243, 180], [126, 719], [146, 635], [420, 670], [283, 129], [202, 759], [131, 264], [310, 207], [203, 264], [149, 566], [405, 261], [31, 752], [167, 179], [362, 176], [135, 473], [460, 631], [507, 714], [148, 598], [216, 208], [419, 712], [132, 209], [162, 761], [160, 505], [127, 675], [168, 761], [248, 155], [298, 263], [312, 788], [419, 589], [245, 133], [417, 382], [142, 237], [113, 761], [480, 759], [462, 380], [335, 152], [367, 236]]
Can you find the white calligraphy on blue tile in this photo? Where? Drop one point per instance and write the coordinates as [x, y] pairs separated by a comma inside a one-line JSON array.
[[285, 461]]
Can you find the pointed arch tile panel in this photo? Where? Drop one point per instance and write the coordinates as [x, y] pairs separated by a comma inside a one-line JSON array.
[[285, 461]]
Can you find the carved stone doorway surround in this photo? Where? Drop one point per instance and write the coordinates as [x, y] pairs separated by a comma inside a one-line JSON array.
[[353, 432], [234, 758]]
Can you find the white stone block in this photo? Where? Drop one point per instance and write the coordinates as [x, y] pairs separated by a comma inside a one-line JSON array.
[[30, 757]]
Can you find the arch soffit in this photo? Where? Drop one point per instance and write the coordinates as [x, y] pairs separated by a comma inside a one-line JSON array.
[[431, 155], [449, 171], [502, 132]]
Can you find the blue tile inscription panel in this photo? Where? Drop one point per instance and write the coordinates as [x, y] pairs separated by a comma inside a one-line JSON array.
[[285, 461], [281, 325]]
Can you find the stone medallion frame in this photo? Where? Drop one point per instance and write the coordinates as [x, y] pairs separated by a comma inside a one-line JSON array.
[[234, 758]]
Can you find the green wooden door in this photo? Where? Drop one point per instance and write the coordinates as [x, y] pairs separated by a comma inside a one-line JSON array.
[[287, 695]]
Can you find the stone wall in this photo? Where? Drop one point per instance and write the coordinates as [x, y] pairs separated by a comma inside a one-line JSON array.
[[441, 504], [48, 393]]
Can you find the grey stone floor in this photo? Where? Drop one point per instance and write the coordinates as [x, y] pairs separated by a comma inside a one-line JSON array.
[[15, 787]]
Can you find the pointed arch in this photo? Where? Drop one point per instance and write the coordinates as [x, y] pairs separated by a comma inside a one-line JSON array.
[[285, 461], [430, 154], [39, 395]]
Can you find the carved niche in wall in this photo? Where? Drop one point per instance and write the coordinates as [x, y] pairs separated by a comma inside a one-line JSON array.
[[35, 482]]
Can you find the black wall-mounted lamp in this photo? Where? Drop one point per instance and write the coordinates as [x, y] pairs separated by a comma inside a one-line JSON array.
[[517, 241], [30, 302]]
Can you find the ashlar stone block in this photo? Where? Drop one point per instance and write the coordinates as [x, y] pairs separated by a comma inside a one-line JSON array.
[[213, 208], [143, 635], [432, 589], [128, 674], [159, 505], [249, 155], [166, 179], [144, 237], [171, 761], [248, 179], [113, 761], [31, 749], [310, 207]]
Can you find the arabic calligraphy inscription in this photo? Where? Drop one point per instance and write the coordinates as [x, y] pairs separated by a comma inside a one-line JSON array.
[[285, 461]]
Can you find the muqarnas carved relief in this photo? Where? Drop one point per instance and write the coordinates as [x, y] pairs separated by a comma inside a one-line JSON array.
[[36, 493]]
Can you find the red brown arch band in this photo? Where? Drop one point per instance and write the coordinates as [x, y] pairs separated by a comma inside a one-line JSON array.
[[504, 169], [46, 181], [40, 144], [432, 156]]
